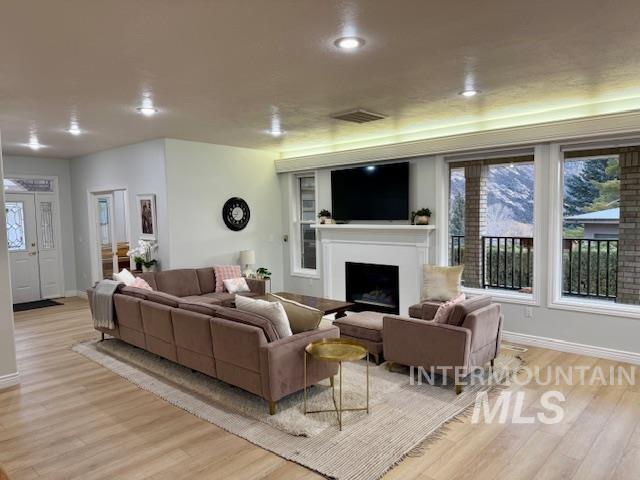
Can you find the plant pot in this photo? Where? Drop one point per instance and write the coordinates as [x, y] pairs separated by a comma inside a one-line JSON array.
[[421, 220], [146, 269], [323, 220], [138, 266]]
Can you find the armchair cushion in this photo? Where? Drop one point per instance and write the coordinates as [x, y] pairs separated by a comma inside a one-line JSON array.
[[462, 309], [425, 310], [446, 309]]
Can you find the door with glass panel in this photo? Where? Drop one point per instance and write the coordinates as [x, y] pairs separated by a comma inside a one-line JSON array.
[[107, 245], [22, 243]]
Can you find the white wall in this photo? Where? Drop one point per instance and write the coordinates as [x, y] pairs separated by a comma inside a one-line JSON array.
[[421, 194], [53, 167], [200, 179], [8, 364], [139, 168]]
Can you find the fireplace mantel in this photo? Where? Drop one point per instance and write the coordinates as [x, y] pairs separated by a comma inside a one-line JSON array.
[[406, 246]]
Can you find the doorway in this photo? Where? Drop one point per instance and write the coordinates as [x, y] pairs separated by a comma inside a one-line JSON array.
[[110, 232], [33, 239]]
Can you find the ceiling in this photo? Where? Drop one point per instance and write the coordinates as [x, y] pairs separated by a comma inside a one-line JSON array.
[[219, 71]]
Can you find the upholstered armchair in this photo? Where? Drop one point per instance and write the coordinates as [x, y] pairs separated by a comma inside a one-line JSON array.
[[470, 338]]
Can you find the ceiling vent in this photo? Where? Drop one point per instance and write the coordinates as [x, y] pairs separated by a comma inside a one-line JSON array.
[[358, 116]]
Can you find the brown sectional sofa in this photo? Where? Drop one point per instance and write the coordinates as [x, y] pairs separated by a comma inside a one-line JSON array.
[[185, 321]]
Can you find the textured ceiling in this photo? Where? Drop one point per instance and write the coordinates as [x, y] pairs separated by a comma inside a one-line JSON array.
[[219, 70]]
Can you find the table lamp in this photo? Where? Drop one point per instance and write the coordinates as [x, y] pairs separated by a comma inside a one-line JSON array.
[[247, 257]]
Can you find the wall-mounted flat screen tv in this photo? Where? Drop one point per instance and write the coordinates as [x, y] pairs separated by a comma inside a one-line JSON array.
[[373, 192]]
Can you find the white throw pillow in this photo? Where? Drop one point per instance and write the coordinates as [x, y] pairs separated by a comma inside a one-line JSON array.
[[441, 283], [125, 276], [236, 285], [272, 311]]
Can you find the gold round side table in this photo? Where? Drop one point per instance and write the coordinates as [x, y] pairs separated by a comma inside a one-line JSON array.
[[336, 350]]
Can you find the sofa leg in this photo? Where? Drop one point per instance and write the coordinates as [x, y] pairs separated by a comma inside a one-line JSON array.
[[390, 366], [272, 408], [102, 336], [458, 388]]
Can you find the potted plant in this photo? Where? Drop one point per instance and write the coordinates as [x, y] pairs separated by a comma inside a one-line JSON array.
[[143, 255], [421, 217], [263, 273], [324, 215]]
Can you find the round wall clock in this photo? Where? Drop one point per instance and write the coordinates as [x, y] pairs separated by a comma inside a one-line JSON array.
[[236, 213]]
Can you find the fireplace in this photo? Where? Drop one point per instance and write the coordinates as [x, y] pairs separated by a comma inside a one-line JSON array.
[[373, 287]]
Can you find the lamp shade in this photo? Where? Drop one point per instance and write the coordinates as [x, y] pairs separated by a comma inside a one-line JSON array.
[[247, 257]]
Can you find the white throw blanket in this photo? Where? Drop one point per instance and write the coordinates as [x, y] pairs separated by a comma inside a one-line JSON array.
[[102, 304]]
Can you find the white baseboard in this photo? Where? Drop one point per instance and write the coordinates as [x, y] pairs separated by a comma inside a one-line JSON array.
[[571, 347], [9, 380], [71, 293]]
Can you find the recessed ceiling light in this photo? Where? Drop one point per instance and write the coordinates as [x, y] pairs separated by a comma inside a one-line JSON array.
[[34, 144], [147, 111], [276, 132], [349, 43], [469, 93], [74, 129]]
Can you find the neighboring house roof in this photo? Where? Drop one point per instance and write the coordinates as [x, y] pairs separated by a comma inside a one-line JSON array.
[[611, 215]]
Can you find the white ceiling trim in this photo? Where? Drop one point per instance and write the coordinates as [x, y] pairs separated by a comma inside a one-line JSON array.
[[586, 127]]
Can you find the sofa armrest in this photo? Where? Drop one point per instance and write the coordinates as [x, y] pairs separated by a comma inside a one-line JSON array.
[[426, 344], [257, 285], [282, 363], [425, 310]]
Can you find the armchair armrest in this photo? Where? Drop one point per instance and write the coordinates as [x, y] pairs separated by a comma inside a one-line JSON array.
[[257, 285], [282, 363], [485, 325], [421, 343]]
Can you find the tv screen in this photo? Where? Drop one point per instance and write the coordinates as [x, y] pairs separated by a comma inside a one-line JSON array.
[[374, 192]]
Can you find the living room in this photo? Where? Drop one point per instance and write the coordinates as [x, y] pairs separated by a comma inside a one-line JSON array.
[[311, 196]]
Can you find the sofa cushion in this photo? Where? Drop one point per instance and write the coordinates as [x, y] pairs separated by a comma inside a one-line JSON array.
[[206, 279], [365, 325], [182, 282], [163, 298], [249, 319], [272, 311], [201, 299], [135, 292], [301, 317], [462, 309], [150, 278]]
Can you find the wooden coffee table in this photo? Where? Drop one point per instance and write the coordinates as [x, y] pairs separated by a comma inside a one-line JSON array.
[[325, 305]]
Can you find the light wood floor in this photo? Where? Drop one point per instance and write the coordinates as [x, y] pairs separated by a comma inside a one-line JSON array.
[[72, 419]]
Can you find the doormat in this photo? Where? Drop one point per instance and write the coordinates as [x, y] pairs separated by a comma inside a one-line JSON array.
[[21, 307]]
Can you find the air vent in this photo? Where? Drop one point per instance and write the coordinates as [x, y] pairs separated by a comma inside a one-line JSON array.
[[358, 116]]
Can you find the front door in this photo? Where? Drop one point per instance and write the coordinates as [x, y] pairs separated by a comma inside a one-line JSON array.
[[22, 242]]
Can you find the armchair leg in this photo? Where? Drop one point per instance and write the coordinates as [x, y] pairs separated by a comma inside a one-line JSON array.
[[272, 407], [390, 366], [102, 337], [332, 380], [458, 388], [493, 363]]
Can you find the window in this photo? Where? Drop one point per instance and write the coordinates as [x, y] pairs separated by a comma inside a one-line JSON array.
[[491, 222], [307, 189], [46, 226], [590, 226], [16, 236], [23, 185]]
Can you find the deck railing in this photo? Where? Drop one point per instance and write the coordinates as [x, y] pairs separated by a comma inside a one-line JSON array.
[[589, 266]]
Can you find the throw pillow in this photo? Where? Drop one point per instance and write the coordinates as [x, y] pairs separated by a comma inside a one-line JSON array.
[[141, 283], [125, 276], [236, 285], [222, 272], [301, 317], [441, 283], [446, 309], [272, 311]]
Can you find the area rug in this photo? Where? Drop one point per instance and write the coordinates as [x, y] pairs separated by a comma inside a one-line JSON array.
[[402, 415]]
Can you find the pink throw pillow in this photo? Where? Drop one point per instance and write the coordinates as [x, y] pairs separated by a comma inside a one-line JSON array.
[[225, 272], [141, 283], [446, 309]]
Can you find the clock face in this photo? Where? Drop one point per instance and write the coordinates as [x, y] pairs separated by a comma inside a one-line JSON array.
[[236, 213]]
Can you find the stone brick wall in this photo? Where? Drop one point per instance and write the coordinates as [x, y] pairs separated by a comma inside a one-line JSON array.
[[475, 218], [629, 233]]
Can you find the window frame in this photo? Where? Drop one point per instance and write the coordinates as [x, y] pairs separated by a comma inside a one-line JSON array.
[[555, 299], [443, 195], [296, 222]]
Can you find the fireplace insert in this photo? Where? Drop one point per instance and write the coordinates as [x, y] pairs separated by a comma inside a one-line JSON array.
[[373, 287]]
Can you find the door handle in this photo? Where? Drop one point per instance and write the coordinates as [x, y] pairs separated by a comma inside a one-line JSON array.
[[33, 253]]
